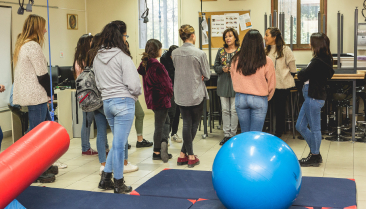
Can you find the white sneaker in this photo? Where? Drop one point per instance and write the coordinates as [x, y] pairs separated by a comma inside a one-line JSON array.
[[101, 170], [60, 165], [130, 168], [176, 138]]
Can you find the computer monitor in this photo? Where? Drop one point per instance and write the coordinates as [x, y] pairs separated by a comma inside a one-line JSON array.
[[55, 75], [66, 76]]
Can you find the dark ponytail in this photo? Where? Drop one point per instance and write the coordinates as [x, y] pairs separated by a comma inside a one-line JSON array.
[[152, 49], [275, 32]]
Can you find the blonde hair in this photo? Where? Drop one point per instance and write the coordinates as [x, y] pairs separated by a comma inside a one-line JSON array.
[[185, 32], [33, 30]]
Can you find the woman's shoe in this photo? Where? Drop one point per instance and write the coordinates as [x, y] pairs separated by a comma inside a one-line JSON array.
[[182, 161], [106, 182], [164, 152], [158, 156], [225, 139], [192, 163], [130, 168], [310, 161], [120, 186], [320, 157]]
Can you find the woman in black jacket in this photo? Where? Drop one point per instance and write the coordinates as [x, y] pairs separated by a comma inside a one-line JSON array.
[[315, 77]]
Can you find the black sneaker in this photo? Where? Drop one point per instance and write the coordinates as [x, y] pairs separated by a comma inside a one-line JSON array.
[[52, 170], [320, 157], [225, 139], [45, 178], [158, 157], [129, 146], [312, 160], [144, 143]]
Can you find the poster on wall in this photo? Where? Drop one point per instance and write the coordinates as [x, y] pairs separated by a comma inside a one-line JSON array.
[[245, 22], [232, 21], [218, 25]]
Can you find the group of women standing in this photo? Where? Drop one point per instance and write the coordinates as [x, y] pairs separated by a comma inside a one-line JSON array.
[[249, 76], [258, 74]]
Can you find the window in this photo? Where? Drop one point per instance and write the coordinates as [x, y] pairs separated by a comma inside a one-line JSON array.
[[304, 24], [163, 22]]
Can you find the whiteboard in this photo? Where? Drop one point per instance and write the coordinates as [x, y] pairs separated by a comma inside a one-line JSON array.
[[5, 56]]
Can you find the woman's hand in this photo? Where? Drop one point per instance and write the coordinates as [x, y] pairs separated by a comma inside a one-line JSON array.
[[203, 77], [2, 88], [225, 69]]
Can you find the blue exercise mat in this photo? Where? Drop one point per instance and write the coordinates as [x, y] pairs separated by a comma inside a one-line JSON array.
[[327, 192], [187, 184], [46, 198]]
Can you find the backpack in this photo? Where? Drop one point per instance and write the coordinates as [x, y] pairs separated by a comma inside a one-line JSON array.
[[87, 94]]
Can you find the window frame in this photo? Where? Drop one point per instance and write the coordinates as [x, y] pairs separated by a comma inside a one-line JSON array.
[[164, 23], [323, 11]]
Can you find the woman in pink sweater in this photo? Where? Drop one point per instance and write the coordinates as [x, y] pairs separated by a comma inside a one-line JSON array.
[[254, 81]]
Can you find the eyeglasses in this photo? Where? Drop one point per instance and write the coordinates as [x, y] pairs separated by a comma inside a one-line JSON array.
[[126, 36]]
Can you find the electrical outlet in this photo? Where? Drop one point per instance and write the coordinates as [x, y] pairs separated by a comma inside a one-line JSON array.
[[61, 54]]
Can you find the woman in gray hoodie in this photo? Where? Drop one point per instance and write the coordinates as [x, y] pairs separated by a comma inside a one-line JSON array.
[[117, 79]]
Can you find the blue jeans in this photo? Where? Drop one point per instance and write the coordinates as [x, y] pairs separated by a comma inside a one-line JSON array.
[[251, 110], [120, 113], [37, 114], [102, 142], [88, 118], [310, 115]]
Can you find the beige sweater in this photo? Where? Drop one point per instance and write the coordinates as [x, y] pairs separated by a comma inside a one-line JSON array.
[[31, 63], [284, 67], [262, 83]]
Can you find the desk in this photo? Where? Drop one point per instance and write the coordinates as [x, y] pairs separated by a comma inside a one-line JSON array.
[[360, 75]]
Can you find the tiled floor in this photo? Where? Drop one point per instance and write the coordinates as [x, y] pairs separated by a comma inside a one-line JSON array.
[[340, 160]]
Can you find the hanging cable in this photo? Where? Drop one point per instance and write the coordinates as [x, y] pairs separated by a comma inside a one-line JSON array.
[[49, 54], [364, 8], [145, 14]]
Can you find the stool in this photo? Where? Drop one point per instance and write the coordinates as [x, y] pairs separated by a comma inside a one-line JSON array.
[[339, 98], [294, 102], [212, 114], [23, 118]]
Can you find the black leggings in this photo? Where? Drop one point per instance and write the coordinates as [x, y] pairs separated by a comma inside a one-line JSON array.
[[174, 113], [280, 99], [191, 119], [162, 124]]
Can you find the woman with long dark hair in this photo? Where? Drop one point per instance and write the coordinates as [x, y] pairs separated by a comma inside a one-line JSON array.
[[174, 111], [117, 79], [139, 124], [254, 82], [80, 58], [191, 70], [284, 61], [224, 83], [158, 92], [314, 76]]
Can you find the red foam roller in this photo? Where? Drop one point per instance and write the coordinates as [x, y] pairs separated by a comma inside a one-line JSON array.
[[24, 161]]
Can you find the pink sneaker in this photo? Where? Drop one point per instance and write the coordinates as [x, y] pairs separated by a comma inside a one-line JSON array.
[[90, 152]]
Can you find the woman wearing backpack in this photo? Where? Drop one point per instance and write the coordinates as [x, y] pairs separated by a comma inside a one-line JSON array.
[[83, 46], [158, 91], [117, 79]]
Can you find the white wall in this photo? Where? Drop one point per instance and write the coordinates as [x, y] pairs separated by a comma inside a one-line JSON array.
[[62, 39]]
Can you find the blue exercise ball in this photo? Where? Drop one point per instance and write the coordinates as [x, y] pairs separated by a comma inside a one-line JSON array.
[[256, 170]]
